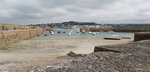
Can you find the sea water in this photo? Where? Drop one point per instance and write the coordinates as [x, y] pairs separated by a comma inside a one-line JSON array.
[[79, 35]]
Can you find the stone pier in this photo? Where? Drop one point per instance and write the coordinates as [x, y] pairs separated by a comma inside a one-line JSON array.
[[141, 36], [11, 36]]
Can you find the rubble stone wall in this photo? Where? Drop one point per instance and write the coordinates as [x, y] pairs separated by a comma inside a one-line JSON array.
[[17, 35]]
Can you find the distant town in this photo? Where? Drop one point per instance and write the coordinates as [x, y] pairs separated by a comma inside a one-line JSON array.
[[74, 24]]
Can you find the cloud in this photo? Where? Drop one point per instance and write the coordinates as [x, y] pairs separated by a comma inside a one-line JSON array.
[[100, 11]]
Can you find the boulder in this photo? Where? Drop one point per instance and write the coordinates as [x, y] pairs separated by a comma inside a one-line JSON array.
[[71, 54]]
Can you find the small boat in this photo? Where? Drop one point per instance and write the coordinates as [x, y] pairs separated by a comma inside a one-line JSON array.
[[59, 32], [94, 33], [77, 32], [125, 37], [52, 32], [64, 32], [112, 38], [90, 32], [38, 35], [83, 31], [122, 37], [70, 33], [45, 34], [110, 32]]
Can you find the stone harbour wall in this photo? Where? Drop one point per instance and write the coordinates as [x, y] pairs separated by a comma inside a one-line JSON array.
[[11, 36], [141, 36]]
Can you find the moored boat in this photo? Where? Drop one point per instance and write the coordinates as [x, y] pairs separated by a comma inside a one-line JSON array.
[[64, 32], [112, 38], [70, 33], [125, 37], [110, 32], [38, 35], [77, 32], [122, 37], [45, 34], [90, 32], [94, 33], [59, 32], [52, 33]]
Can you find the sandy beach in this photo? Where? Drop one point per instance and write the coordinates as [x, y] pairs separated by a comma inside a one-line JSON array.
[[33, 52]]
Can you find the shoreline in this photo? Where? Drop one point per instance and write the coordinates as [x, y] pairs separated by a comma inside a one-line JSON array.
[[29, 51], [133, 56]]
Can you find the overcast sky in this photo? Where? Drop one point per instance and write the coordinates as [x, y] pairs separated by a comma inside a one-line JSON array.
[[99, 11]]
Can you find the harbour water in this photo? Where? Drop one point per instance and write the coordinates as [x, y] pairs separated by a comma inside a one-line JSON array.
[[76, 34]]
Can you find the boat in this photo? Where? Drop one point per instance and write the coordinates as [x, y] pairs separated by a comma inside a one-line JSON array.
[[97, 32], [70, 33], [45, 34], [38, 35], [110, 32], [77, 32], [59, 32], [52, 33], [122, 37], [125, 37], [64, 32], [83, 31], [90, 32], [112, 38], [94, 33]]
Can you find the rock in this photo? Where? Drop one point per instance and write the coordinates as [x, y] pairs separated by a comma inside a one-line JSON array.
[[107, 59], [101, 49], [71, 54]]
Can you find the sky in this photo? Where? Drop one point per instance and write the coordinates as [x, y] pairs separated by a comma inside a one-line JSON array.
[[55, 11]]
